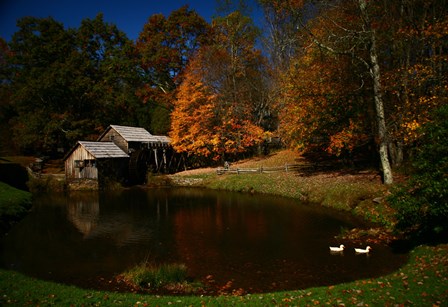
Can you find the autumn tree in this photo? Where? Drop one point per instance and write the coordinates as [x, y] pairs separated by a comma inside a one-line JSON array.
[[373, 66], [414, 57], [345, 29], [395, 50], [165, 46], [221, 108], [322, 108]]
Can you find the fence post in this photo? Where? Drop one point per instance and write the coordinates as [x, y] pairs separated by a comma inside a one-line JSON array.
[[286, 167]]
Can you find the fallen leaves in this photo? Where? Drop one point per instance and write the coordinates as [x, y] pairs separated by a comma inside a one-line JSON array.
[[369, 236]]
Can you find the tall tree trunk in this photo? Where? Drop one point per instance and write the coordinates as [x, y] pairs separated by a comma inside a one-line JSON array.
[[375, 73]]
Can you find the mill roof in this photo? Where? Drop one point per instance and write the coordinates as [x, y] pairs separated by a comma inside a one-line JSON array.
[[136, 134], [101, 149]]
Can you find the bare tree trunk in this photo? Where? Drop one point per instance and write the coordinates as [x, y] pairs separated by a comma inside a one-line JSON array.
[[378, 96]]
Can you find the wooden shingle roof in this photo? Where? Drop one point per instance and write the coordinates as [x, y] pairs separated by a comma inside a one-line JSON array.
[[161, 138], [136, 134], [103, 149]]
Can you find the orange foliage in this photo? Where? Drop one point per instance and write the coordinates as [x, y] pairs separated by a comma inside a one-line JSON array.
[[318, 107], [206, 125], [217, 107], [321, 105], [326, 100], [418, 86], [346, 139]]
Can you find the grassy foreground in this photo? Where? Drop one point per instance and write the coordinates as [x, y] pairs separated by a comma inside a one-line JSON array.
[[423, 281]]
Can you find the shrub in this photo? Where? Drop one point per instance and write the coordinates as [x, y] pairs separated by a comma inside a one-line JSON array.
[[45, 184], [155, 276], [422, 203]]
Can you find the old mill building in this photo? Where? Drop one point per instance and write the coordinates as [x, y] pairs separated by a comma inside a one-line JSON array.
[[121, 153]]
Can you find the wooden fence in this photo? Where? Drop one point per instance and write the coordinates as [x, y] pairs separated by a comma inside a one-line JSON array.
[[261, 169]]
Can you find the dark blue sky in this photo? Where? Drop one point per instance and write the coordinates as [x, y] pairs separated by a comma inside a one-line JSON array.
[[128, 15]]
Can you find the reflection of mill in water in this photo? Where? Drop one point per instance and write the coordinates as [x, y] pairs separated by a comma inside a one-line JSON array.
[[120, 228], [83, 214]]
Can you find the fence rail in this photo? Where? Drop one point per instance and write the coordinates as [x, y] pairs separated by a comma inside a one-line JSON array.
[[261, 169]]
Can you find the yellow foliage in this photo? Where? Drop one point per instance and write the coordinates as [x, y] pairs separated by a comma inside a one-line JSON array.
[[411, 132]]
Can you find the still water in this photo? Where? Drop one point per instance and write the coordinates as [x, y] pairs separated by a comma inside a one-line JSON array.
[[260, 243]]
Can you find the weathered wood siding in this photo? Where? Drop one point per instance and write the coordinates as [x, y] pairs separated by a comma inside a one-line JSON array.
[[113, 136], [87, 161]]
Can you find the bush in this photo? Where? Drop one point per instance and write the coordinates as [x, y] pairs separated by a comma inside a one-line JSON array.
[[46, 183], [422, 203]]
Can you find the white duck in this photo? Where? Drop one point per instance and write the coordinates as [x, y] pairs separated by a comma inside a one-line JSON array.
[[337, 249], [363, 251]]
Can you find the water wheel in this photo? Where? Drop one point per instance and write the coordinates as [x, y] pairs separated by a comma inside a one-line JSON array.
[[138, 166]]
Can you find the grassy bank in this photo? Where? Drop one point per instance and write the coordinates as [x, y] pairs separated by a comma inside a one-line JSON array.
[[358, 191], [423, 281], [14, 204]]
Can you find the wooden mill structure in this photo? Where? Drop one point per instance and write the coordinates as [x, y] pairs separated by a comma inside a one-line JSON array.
[[143, 152], [146, 151], [96, 161]]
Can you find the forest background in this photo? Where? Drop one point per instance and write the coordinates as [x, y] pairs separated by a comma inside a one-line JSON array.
[[341, 78]]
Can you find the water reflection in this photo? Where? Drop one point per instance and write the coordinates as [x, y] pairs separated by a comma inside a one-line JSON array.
[[259, 243], [83, 211], [120, 227]]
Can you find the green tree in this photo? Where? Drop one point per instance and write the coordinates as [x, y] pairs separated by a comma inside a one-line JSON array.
[[40, 82], [422, 203], [5, 82], [70, 84], [107, 75], [6, 108]]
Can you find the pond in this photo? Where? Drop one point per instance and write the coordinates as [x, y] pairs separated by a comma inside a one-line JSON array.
[[259, 243]]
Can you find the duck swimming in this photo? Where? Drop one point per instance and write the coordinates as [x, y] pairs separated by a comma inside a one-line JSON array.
[[363, 251], [337, 249]]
